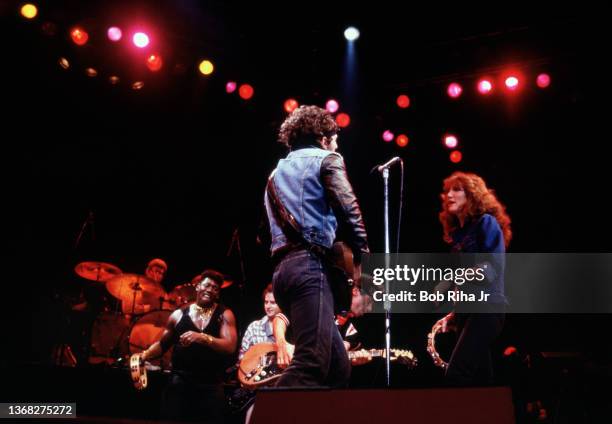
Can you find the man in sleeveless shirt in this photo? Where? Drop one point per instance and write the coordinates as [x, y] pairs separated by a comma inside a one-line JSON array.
[[203, 335]]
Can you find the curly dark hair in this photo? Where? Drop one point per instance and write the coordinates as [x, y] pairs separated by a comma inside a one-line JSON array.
[[216, 276], [307, 125]]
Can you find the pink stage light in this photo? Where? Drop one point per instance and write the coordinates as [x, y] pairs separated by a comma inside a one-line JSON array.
[[332, 106], [114, 33], [450, 141], [141, 40], [388, 136], [543, 80], [454, 90], [485, 86]]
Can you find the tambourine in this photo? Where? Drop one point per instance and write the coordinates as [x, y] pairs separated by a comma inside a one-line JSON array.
[[138, 371], [431, 341]]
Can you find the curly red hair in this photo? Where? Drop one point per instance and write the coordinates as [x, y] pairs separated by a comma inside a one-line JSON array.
[[480, 200]]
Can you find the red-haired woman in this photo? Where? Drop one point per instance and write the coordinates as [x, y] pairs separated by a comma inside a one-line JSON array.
[[475, 222]]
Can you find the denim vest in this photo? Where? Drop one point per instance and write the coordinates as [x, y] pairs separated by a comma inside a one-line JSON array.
[[297, 180]]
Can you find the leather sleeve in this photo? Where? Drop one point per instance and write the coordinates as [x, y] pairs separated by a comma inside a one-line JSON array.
[[343, 201]]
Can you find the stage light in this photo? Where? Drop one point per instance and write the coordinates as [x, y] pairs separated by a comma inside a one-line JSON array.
[[543, 80], [402, 140], [388, 136], [351, 33], [206, 67], [403, 101], [140, 40], [510, 350], [138, 85], [29, 11], [343, 120], [454, 90], [154, 62], [114, 33], [332, 106], [246, 91], [114, 80], [456, 156], [512, 82], [91, 72], [290, 105], [485, 86], [230, 87], [63, 62], [450, 141], [79, 36]]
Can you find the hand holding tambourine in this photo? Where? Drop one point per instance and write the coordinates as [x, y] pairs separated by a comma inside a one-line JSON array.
[[138, 371]]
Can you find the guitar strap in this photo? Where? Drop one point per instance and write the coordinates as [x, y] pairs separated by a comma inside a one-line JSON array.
[[289, 225], [340, 283]]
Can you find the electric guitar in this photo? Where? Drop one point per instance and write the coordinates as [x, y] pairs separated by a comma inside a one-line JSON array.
[[258, 366]]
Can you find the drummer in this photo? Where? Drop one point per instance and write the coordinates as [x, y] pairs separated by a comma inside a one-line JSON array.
[[155, 271]]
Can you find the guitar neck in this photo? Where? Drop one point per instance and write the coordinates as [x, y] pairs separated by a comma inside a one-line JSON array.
[[375, 353]]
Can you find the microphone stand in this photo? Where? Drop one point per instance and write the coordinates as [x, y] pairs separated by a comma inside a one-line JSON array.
[[385, 173], [384, 169]]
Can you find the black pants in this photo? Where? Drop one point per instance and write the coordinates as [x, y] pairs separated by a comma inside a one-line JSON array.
[[302, 291], [470, 362], [186, 399]]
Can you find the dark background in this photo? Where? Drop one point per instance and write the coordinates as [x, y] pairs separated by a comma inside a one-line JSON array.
[[174, 169]]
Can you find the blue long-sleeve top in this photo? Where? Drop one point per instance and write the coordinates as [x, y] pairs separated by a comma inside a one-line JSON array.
[[484, 236]]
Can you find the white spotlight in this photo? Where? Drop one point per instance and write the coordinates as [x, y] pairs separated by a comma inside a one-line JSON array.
[[351, 33]]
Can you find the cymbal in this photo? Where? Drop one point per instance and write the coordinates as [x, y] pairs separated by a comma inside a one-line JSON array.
[[226, 284], [97, 271], [123, 287]]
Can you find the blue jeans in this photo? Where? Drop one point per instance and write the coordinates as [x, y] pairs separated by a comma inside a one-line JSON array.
[[302, 291]]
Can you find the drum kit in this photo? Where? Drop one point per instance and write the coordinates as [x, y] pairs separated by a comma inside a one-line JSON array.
[[145, 309]]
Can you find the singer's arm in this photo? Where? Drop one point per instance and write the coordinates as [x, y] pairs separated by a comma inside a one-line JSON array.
[[339, 192]]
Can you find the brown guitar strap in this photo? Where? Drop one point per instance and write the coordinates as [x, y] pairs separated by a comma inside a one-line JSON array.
[[291, 228], [342, 292]]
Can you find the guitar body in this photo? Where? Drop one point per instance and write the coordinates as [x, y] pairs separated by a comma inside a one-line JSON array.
[[258, 366]]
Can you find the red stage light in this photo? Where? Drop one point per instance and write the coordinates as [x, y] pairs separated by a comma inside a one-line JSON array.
[[343, 120], [230, 87], [456, 156], [543, 80], [246, 91], [402, 140], [512, 82], [450, 141], [509, 351], [388, 136], [403, 101], [154, 62], [79, 36], [485, 86], [332, 106], [114, 33], [454, 90], [291, 105], [141, 40]]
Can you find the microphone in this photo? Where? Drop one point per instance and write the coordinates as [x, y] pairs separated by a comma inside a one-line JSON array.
[[384, 166]]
